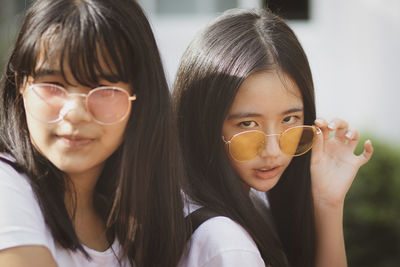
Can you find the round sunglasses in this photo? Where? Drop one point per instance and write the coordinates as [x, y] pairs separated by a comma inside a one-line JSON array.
[[50, 103], [294, 141]]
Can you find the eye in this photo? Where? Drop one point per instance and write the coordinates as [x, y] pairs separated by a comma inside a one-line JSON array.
[[49, 79], [292, 119], [56, 83], [247, 124], [101, 85]]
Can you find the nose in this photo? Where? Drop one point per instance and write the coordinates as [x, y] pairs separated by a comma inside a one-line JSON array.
[[271, 148], [74, 110]]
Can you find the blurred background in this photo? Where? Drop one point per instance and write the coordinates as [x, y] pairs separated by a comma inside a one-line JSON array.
[[353, 48]]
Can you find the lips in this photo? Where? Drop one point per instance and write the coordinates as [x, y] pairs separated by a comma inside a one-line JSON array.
[[267, 172], [75, 141]]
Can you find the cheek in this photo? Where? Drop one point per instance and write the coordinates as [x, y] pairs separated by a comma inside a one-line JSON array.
[[38, 133], [241, 168], [286, 160], [114, 134]]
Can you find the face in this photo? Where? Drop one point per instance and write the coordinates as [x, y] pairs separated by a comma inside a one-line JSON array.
[[77, 144], [269, 102]]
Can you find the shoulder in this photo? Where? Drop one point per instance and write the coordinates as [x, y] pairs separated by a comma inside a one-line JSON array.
[[110, 258], [222, 233], [21, 219], [9, 177], [13, 186], [220, 241]]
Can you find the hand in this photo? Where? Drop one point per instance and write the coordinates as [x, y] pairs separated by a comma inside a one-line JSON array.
[[333, 162]]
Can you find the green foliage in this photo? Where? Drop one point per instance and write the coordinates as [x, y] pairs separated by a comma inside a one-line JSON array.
[[372, 210]]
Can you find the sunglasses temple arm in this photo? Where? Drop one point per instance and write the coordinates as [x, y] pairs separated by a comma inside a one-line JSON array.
[[226, 142]]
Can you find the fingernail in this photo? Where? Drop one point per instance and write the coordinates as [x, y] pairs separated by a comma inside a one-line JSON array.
[[349, 134], [332, 125], [319, 121]]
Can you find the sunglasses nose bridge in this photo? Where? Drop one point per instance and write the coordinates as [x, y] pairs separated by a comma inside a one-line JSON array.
[[78, 96], [275, 138], [271, 146], [275, 134], [75, 102]]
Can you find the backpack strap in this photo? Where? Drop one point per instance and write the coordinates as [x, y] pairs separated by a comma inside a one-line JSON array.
[[197, 217]]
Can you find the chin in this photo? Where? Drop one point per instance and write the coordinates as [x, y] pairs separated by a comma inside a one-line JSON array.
[[73, 166], [266, 185], [263, 188], [68, 169]]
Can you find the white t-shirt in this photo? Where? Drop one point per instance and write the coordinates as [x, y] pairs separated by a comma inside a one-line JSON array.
[[220, 242], [22, 224]]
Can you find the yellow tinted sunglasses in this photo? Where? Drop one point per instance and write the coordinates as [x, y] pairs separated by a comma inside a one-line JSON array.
[[294, 141]]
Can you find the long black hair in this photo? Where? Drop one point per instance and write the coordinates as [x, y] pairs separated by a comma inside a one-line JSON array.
[[138, 193], [218, 60]]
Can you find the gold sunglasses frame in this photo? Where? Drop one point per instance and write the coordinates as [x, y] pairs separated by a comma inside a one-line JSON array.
[[316, 132]]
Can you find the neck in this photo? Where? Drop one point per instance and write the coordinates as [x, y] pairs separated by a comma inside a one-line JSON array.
[[88, 225], [80, 190]]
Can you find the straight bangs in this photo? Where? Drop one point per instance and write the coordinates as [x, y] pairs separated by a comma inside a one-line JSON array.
[[84, 42]]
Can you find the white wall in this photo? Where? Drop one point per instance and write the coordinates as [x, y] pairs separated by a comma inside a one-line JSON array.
[[354, 52]]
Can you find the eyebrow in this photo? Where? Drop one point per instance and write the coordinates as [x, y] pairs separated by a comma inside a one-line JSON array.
[[293, 110], [46, 72], [242, 115], [255, 115]]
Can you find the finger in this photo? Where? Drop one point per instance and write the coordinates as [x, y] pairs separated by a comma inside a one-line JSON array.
[[340, 127], [318, 147], [352, 137], [323, 125], [367, 153]]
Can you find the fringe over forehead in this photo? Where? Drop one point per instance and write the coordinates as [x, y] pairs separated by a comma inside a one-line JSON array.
[[77, 35]]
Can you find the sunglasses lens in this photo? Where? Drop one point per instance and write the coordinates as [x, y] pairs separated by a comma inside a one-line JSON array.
[[298, 140], [108, 105], [247, 145], [44, 102], [49, 103]]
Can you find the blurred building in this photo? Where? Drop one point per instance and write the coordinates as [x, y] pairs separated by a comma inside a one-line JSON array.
[[352, 45]]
